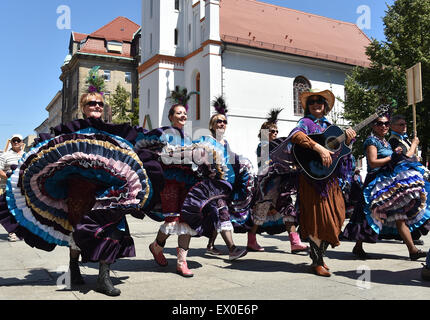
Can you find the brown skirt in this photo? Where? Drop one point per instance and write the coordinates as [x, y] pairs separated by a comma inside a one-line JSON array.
[[321, 217]]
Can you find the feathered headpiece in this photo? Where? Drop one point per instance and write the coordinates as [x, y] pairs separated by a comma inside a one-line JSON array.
[[273, 115], [180, 96], [219, 105], [95, 82]]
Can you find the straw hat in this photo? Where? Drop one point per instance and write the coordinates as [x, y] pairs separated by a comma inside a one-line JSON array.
[[326, 94]]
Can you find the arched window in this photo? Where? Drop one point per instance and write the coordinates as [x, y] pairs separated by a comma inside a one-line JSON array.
[[198, 96], [300, 84]]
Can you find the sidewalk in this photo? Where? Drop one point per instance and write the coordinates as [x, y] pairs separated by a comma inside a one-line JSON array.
[[276, 274]]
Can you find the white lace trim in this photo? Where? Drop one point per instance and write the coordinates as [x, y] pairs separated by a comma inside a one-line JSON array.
[[177, 228]]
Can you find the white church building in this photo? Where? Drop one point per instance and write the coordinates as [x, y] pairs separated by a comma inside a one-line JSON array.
[[257, 55]]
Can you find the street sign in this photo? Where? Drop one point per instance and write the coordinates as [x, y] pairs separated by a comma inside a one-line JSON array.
[[415, 91]]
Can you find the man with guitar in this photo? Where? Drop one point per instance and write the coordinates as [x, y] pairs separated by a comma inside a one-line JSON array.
[[322, 208]]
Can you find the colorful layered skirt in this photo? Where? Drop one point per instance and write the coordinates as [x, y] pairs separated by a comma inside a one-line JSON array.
[[400, 194], [241, 199], [275, 199], [93, 166]]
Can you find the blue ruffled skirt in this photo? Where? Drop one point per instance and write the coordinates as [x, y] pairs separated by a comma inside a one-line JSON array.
[[400, 194]]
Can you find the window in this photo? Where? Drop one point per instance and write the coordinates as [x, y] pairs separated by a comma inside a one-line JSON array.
[[151, 8], [128, 77], [106, 75], [176, 37], [300, 84], [114, 46], [150, 43], [177, 5], [198, 96], [189, 32]]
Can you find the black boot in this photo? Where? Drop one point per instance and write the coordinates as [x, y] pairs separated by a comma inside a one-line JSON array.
[[75, 273], [317, 253], [104, 283]]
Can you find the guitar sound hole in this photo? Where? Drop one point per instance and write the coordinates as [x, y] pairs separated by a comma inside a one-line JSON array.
[[332, 144]]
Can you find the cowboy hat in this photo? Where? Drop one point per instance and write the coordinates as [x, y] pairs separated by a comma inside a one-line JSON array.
[[326, 94]]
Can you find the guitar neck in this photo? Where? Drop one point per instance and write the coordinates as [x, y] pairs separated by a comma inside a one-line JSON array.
[[358, 127], [365, 122]]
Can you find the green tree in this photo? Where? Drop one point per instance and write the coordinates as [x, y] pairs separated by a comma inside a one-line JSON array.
[[406, 28], [120, 104], [134, 116]]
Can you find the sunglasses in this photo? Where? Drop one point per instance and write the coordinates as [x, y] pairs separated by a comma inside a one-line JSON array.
[[273, 131], [16, 141], [94, 103], [400, 124], [313, 101], [382, 123], [221, 121]]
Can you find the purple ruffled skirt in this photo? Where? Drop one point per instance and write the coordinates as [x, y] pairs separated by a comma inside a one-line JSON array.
[[103, 235]]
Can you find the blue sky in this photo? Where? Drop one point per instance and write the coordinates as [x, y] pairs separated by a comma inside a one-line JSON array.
[[33, 48]]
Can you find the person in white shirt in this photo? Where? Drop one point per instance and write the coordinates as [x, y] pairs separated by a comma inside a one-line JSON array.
[[7, 159]]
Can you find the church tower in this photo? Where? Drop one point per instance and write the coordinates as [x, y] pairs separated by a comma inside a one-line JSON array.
[[180, 45]]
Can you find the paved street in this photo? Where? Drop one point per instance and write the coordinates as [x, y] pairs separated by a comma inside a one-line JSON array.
[[276, 274]]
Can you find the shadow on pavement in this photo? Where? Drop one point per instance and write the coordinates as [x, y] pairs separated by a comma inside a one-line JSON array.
[[345, 255], [43, 277], [410, 277]]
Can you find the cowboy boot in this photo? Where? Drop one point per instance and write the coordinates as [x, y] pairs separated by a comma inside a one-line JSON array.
[[157, 252], [324, 245], [296, 243], [104, 283], [316, 254], [75, 273], [182, 267], [252, 243], [313, 252]]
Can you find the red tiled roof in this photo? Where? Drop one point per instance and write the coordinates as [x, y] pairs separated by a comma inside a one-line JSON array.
[[97, 46], [120, 29], [78, 37], [266, 26]]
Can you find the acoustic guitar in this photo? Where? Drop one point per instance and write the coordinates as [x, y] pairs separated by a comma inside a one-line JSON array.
[[333, 139]]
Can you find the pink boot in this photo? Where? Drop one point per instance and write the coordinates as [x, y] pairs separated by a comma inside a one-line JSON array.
[[252, 243], [157, 252], [181, 266], [296, 243]]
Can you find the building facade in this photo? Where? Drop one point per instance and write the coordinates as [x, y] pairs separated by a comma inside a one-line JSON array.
[[258, 56], [115, 48], [54, 109]]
